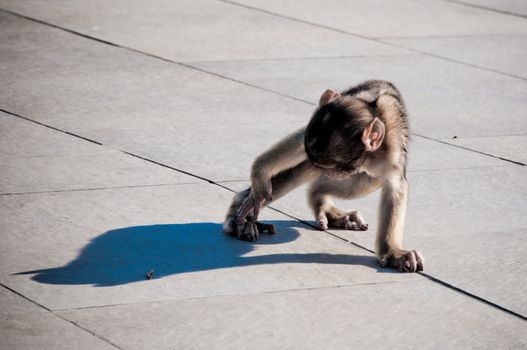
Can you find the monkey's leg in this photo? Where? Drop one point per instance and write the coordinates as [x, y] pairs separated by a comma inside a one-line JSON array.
[[350, 220], [389, 242], [326, 214]]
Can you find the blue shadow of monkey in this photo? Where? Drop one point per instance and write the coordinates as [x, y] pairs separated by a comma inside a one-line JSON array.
[[125, 255]]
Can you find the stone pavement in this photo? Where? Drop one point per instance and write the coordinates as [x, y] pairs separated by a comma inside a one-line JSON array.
[[124, 124]]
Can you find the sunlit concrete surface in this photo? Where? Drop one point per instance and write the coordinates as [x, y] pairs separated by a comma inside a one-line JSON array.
[[125, 127]]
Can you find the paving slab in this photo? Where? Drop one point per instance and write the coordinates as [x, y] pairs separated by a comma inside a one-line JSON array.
[[444, 99], [511, 147], [490, 264], [130, 88], [382, 316], [385, 18], [96, 85], [95, 248], [468, 223], [36, 159], [192, 30], [517, 7], [502, 53], [24, 325], [107, 218], [425, 155], [430, 155], [129, 101]]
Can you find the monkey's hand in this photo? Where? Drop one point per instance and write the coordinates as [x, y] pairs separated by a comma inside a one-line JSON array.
[[251, 229], [250, 208], [246, 226], [405, 261]]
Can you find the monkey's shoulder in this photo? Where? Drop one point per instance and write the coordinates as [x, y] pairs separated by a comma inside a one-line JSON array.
[[371, 90]]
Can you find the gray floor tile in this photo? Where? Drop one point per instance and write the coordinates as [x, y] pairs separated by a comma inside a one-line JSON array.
[[429, 155], [381, 316], [35, 159], [486, 263], [518, 7], [85, 254], [125, 100], [444, 99], [385, 18], [502, 53], [113, 112], [23, 325], [512, 147], [97, 86], [95, 248], [193, 30]]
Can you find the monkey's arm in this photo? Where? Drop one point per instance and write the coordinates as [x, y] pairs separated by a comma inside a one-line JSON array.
[[282, 183], [392, 213], [286, 154]]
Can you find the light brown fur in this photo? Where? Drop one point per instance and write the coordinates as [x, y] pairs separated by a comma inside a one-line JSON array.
[[285, 166]]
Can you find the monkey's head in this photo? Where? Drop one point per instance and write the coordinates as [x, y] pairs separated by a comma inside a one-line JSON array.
[[342, 133]]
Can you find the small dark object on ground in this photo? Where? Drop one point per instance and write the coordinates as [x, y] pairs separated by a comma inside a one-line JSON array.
[[454, 137], [150, 275]]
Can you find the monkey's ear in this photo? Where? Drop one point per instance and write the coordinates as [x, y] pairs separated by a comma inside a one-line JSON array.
[[373, 135], [328, 96]]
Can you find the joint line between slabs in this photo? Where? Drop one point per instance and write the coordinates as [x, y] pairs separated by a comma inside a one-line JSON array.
[[226, 295], [50, 127], [60, 317], [490, 9], [210, 181], [470, 149], [314, 24], [186, 65], [98, 189], [303, 58]]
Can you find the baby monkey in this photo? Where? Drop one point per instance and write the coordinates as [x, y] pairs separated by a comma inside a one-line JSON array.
[[355, 143]]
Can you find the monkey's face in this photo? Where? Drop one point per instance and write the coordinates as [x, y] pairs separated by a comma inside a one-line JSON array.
[[337, 170], [333, 141], [337, 157], [338, 174]]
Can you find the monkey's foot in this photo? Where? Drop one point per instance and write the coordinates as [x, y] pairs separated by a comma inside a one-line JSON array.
[[405, 261], [352, 220], [249, 231], [322, 223]]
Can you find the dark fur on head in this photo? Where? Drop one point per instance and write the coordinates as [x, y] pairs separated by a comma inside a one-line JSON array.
[[333, 136]]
